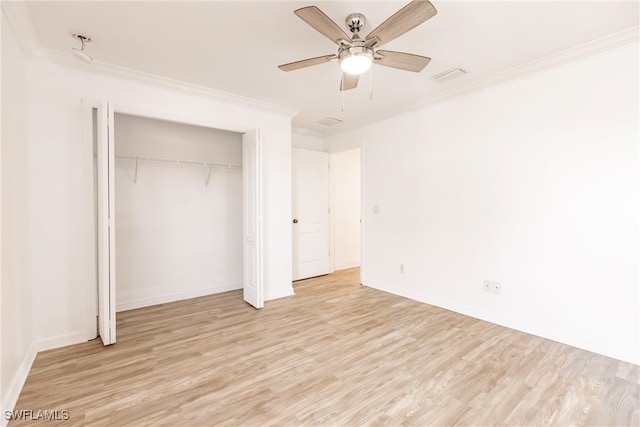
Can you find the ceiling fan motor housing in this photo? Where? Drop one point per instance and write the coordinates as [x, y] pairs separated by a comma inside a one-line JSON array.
[[355, 57]]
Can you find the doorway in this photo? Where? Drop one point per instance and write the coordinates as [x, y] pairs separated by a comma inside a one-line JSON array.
[[310, 211], [346, 208], [326, 214]]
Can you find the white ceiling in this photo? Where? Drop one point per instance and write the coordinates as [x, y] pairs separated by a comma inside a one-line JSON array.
[[235, 46]]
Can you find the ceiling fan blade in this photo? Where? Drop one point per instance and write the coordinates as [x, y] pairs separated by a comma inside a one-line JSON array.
[[306, 62], [407, 18], [402, 61], [322, 23], [349, 81]]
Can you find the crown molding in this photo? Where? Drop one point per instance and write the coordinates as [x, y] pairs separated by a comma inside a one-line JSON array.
[[594, 47], [19, 17], [68, 61]]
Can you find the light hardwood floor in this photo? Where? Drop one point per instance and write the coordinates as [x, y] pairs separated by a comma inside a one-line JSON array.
[[336, 353]]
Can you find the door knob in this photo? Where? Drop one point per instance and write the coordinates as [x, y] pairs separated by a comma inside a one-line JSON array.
[[295, 221]]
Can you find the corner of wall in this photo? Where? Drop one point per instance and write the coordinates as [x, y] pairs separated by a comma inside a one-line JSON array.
[[10, 398], [19, 18], [61, 340], [18, 350]]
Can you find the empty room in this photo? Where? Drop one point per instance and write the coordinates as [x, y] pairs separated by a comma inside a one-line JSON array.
[[320, 213]]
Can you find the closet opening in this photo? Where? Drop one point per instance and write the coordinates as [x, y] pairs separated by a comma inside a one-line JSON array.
[[178, 211], [180, 217]]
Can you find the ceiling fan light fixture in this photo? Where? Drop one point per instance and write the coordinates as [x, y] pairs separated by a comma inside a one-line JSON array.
[[356, 60], [78, 53]]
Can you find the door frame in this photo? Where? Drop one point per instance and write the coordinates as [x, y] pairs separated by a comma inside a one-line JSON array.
[[148, 111]]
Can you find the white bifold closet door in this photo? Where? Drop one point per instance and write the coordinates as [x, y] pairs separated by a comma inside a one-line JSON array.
[[252, 218], [106, 225]]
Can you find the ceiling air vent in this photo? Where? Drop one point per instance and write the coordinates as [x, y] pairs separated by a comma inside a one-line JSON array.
[[449, 75], [330, 121]]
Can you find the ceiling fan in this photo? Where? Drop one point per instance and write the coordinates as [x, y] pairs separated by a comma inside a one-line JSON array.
[[356, 54]]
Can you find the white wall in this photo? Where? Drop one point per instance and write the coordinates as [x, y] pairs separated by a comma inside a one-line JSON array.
[[176, 236], [308, 142], [61, 185], [533, 183], [345, 208], [17, 346]]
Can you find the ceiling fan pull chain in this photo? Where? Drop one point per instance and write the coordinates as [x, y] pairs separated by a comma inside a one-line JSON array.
[[342, 96]]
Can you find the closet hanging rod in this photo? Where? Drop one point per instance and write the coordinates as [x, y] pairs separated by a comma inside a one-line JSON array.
[[181, 162]]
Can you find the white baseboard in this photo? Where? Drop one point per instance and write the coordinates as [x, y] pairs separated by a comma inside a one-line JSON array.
[[280, 293], [162, 299], [61, 341], [462, 309], [13, 392], [343, 265], [539, 330], [446, 304]]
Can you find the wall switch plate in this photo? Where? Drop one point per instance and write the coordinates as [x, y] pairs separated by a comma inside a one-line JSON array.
[[402, 268], [496, 287], [486, 286]]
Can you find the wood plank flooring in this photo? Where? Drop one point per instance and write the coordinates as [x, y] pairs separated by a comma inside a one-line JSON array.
[[336, 354]]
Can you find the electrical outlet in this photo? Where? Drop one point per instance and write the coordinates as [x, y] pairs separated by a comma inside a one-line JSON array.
[[496, 287], [376, 209], [486, 286], [401, 268]]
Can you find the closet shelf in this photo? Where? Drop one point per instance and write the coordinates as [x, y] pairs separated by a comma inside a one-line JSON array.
[[182, 162], [210, 165]]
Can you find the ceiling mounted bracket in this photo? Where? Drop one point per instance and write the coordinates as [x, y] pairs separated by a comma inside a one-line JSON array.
[[80, 53], [81, 37], [356, 22]]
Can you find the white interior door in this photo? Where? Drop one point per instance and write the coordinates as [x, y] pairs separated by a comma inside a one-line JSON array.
[[106, 226], [310, 213], [252, 213]]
